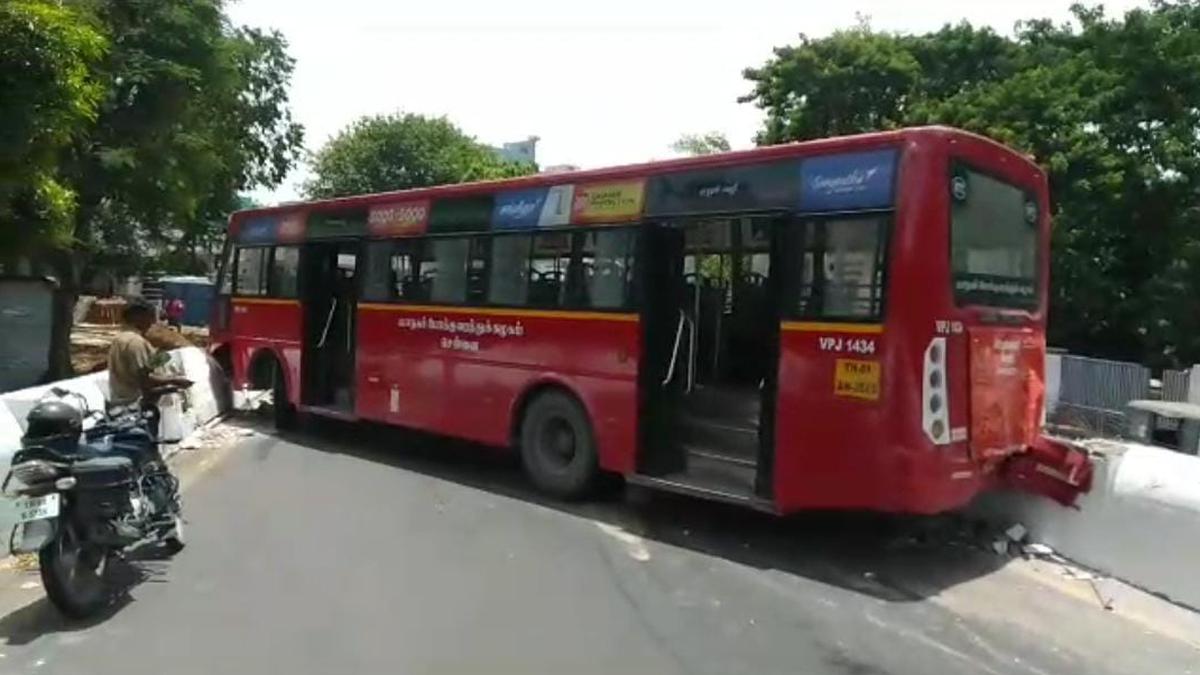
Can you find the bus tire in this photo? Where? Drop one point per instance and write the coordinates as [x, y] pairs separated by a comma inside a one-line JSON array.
[[557, 447], [219, 382], [283, 411]]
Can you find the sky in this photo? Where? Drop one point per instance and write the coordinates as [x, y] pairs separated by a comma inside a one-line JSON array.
[[600, 83]]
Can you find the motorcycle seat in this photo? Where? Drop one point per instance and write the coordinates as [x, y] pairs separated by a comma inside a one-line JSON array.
[[100, 464], [107, 471]]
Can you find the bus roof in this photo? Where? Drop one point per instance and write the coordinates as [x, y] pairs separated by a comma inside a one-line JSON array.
[[699, 165]]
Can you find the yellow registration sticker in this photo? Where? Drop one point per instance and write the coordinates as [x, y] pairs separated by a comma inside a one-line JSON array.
[[856, 379]]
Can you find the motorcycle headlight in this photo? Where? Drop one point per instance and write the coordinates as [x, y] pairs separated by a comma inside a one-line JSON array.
[[34, 472]]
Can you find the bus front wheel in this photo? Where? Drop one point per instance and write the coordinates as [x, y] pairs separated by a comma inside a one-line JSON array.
[[557, 447], [283, 410]]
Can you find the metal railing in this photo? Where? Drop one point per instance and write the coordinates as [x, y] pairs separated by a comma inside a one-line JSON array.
[[1175, 385], [1093, 394]]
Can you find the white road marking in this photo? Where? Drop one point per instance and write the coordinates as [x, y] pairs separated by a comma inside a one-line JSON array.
[[634, 545]]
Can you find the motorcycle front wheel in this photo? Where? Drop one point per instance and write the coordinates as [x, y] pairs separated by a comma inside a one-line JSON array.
[[73, 574]]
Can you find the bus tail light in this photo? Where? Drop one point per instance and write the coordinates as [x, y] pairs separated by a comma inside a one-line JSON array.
[[935, 404]]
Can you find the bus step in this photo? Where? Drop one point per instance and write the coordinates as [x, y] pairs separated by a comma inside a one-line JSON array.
[[708, 477], [737, 404], [739, 460], [681, 485], [719, 436]]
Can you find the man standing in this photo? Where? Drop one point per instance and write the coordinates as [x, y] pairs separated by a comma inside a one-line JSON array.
[[131, 362]]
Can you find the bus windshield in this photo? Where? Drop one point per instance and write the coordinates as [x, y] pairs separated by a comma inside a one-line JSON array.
[[993, 242]]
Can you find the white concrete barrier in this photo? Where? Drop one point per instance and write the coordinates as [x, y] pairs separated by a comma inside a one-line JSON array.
[[181, 413], [204, 399], [1140, 523]]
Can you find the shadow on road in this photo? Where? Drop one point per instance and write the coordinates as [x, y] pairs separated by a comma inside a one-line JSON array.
[[39, 618], [893, 558]]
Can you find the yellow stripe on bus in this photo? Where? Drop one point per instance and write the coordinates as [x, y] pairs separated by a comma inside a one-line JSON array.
[[501, 311], [265, 301], [831, 327]]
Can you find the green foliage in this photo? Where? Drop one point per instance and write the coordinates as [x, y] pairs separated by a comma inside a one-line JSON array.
[[401, 151], [701, 144], [194, 112], [49, 99], [128, 124], [127, 129], [1111, 108]]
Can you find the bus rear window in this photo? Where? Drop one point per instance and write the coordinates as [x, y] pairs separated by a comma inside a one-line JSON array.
[[994, 238]]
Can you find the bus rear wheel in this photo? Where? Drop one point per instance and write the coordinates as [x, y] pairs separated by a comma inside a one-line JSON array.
[[557, 446]]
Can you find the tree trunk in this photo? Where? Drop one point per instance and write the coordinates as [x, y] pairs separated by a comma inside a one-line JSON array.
[[66, 271]]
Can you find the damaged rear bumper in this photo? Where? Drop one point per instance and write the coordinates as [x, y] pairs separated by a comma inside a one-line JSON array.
[[1049, 467]]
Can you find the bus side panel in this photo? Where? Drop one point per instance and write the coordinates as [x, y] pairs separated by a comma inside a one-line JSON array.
[[462, 373], [831, 420], [258, 323]]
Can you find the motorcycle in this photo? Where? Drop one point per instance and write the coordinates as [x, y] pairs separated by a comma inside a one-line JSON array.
[[88, 496]]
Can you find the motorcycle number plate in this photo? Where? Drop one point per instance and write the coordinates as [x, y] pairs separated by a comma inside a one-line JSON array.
[[36, 508]]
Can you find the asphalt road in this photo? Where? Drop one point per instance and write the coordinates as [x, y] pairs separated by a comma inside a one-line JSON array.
[[344, 550]]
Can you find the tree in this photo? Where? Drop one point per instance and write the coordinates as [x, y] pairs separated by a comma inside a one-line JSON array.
[[701, 144], [190, 111], [1110, 107], [47, 53], [396, 152]]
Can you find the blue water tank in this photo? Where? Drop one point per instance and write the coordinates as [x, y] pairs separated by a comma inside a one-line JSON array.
[[197, 296]]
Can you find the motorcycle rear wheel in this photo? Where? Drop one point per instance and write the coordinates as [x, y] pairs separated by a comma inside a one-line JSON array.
[[175, 541], [73, 575]]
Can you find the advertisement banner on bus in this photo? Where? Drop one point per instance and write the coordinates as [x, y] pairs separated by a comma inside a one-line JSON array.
[[862, 180], [291, 228], [258, 230], [537, 207], [463, 214], [764, 186], [398, 219], [518, 210], [557, 208], [337, 224], [608, 202]]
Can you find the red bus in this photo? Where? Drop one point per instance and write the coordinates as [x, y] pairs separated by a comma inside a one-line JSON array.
[[849, 323]]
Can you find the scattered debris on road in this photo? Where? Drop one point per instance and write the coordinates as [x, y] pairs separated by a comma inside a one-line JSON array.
[[214, 435], [1036, 549]]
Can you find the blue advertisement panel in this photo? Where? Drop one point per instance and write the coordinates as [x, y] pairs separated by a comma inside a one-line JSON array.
[[518, 210], [862, 180], [258, 230]]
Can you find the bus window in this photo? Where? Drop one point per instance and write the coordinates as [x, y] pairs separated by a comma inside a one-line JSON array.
[[509, 282], [251, 268], [605, 259], [377, 281], [443, 271], [477, 274], [842, 275], [285, 267], [993, 252], [548, 269], [403, 283]]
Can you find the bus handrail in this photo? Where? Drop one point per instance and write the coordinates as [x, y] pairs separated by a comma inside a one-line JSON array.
[[328, 322], [683, 320]]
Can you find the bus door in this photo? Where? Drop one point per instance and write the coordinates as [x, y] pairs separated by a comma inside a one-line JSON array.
[[330, 297], [712, 322]]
